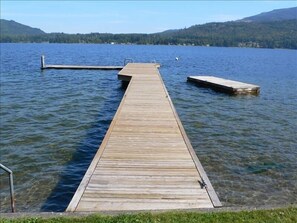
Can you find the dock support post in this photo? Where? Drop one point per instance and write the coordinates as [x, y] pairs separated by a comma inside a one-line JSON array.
[[42, 62]]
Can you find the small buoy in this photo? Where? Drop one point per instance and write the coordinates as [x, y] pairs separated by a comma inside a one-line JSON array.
[[176, 58]]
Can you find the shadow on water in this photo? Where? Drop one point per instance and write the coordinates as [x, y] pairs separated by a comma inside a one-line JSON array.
[[74, 171]]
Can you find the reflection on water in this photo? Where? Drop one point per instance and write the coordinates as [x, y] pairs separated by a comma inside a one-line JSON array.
[[52, 122]]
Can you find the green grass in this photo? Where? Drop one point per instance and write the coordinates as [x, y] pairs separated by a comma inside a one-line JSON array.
[[284, 215]]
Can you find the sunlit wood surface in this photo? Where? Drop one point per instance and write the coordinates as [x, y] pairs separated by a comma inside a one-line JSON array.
[[225, 85], [145, 161]]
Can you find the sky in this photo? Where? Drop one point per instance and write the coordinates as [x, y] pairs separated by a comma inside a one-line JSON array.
[[130, 16]]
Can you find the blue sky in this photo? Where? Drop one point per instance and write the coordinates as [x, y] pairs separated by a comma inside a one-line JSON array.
[[130, 16]]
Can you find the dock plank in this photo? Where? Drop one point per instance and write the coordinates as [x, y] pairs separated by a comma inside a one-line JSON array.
[[145, 161]]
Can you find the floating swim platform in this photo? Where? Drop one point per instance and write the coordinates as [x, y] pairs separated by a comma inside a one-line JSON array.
[[225, 85]]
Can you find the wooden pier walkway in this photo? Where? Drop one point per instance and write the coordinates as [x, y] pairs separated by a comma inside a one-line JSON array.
[[225, 85], [145, 161], [44, 66], [82, 67]]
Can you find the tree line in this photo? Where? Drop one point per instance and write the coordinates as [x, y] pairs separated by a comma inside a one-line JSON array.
[[281, 34]]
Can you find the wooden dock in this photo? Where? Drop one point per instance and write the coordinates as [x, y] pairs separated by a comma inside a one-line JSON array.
[[77, 67], [145, 161], [224, 85], [82, 67]]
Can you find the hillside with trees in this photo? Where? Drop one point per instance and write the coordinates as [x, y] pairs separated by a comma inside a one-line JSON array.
[[275, 15], [279, 33], [14, 28]]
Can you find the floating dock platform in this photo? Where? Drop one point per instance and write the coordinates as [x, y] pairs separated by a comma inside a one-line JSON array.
[[224, 85], [145, 161]]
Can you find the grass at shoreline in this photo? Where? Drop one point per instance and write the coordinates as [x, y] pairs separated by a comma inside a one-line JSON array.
[[282, 215]]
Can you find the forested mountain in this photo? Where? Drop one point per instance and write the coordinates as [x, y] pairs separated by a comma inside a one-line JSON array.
[[279, 33], [13, 28], [275, 15]]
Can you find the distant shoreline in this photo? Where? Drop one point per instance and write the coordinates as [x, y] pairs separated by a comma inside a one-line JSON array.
[[134, 44]]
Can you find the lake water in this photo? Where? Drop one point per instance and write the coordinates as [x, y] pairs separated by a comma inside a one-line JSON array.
[[52, 122]]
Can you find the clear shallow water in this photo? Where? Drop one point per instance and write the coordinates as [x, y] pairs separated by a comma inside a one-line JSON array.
[[52, 122]]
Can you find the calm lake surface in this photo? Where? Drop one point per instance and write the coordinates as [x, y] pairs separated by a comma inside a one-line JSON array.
[[52, 122]]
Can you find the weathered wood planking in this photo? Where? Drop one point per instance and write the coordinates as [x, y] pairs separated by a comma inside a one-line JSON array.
[[224, 85], [43, 66], [145, 161], [81, 67]]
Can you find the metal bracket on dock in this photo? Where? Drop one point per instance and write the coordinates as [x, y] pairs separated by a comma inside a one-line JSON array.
[[202, 183], [11, 186]]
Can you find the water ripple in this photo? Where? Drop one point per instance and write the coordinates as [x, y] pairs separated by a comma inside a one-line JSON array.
[[52, 122]]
